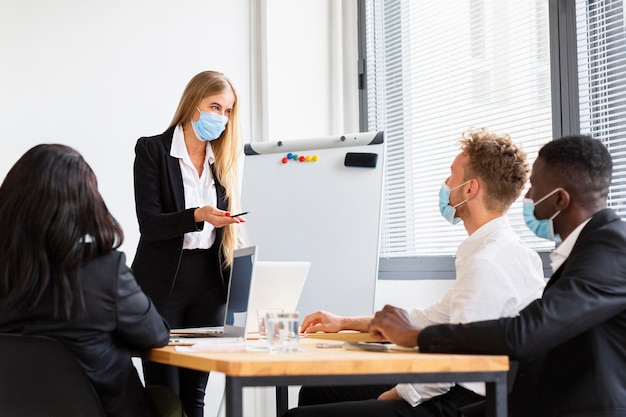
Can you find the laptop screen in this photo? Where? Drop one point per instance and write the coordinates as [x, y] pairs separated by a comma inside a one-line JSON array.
[[276, 285], [240, 284]]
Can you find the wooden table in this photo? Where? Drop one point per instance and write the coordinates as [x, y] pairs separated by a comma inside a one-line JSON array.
[[316, 366]]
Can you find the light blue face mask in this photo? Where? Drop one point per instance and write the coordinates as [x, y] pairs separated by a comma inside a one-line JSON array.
[[209, 126], [541, 228], [447, 211]]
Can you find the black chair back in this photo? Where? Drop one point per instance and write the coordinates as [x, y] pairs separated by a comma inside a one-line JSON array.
[[39, 376]]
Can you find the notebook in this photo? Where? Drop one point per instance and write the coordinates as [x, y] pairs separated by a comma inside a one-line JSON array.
[[276, 285], [237, 305]]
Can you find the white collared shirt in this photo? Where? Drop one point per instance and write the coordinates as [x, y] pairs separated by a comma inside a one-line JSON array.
[[496, 276], [199, 190], [561, 253]]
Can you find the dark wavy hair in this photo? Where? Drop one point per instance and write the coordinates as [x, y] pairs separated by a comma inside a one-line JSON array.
[[52, 221]]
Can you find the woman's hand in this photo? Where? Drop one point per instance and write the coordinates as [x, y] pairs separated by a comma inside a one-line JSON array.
[[218, 218]]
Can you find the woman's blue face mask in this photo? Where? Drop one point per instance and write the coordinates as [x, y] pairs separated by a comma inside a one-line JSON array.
[[541, 228], [209, 126]]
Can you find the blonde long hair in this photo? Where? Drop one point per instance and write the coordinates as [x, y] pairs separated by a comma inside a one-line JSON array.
[[226, 148]]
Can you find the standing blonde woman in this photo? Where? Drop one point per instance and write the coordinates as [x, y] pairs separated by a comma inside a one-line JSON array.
[[186, 186]]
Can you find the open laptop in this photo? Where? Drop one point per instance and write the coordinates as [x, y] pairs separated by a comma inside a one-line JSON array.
[[237, 305], [276, 285]]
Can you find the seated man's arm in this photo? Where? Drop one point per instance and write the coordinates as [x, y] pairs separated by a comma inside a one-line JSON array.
[[323, 321]]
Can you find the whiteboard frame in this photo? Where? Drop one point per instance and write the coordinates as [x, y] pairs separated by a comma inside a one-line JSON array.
[[321, 212]]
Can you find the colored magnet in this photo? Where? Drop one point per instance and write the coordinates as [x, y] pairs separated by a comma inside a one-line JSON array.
[[292, 156]]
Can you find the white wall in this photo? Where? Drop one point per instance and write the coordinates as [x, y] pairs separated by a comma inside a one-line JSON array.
[[97, 75], [311, 68]]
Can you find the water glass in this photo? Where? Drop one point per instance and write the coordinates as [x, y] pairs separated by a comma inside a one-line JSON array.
[[282, 332]]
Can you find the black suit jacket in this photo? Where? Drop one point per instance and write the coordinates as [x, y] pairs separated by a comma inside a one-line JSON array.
[[120, 319], [163, 219], [571, 343]]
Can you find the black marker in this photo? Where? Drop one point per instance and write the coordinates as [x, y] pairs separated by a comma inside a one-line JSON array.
[[240, 214]]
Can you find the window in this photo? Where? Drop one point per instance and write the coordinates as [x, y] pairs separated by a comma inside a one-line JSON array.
[[433, 69], [601, 56]]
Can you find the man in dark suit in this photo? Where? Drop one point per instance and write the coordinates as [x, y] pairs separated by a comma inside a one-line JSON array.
[[571, 343]]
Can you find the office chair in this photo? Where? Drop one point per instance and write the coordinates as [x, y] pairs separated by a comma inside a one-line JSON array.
[[40, 377]]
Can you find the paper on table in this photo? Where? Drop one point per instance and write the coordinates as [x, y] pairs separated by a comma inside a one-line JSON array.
[[222, 347], [213, 347]]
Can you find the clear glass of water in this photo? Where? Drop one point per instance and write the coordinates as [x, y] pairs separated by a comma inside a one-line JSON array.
[[282, 331]]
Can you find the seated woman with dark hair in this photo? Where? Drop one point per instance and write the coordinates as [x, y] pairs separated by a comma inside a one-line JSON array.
[[61, 275]]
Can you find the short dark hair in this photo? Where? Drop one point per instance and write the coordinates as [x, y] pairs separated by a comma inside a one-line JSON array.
[[580, 164], [53, 220]]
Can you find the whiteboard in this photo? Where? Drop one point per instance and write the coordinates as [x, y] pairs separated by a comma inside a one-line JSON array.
[[312, 207]]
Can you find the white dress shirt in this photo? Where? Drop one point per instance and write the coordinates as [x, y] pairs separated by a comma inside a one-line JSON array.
[[200, 190], [496, 276], [560, 254]]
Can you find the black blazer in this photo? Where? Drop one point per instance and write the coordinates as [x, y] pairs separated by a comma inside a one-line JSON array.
[[571, 343], [120, 319], [163, 219]]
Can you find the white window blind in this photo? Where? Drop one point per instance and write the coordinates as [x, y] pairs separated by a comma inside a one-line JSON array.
[[435, 69], [601, 52]]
